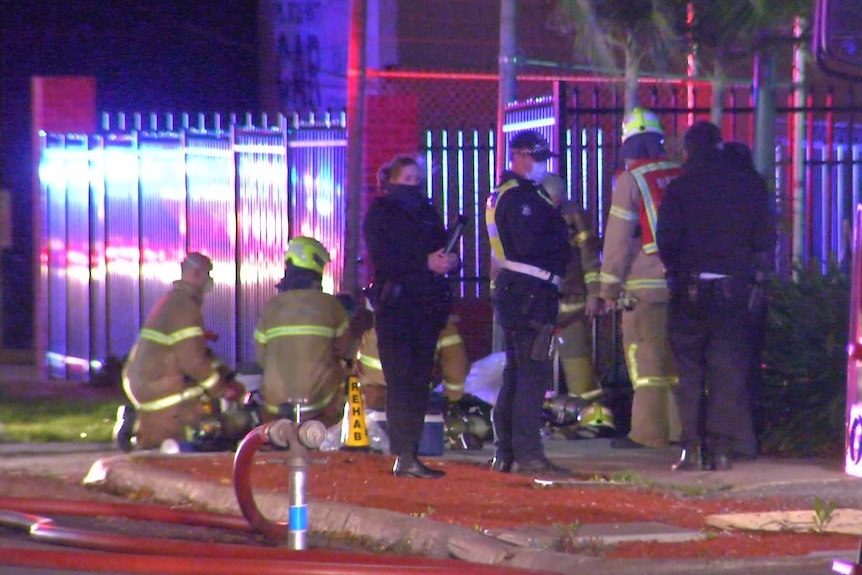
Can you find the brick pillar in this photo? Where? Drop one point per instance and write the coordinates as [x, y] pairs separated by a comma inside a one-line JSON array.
[[391, 128], [59, 104]]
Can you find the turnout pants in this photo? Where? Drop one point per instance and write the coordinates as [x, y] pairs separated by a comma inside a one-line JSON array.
[[576, 356], [655, 418]]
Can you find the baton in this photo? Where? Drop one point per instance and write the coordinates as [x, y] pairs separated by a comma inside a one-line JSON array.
[[455, 234]]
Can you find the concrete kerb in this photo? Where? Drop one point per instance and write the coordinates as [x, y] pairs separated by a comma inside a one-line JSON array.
[[385, 529], [390, 530]]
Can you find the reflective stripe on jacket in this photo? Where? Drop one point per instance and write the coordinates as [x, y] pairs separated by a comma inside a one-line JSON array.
[[300, 341], [627, 264], [582, 274], [171, 347]]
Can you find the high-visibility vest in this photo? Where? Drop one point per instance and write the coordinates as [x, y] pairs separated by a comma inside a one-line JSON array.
[[652, 178], [498, 254]]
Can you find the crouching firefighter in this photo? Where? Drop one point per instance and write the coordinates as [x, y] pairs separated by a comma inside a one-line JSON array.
[[303, 340], [170, 375]]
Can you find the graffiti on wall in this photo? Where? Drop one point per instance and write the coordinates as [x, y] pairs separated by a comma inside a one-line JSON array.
[[311, 41]]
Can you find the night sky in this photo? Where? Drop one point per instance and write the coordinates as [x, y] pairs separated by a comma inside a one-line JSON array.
[[147, 56]]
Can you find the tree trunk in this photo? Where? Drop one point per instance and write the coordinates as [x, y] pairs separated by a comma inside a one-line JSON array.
[[719, 81]]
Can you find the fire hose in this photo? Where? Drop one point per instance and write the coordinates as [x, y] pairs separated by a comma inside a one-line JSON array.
[[183, 557]]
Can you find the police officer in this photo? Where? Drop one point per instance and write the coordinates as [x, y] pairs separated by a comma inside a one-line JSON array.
[[411, 299], [170, 374], [632, 278], [715, 232], [530, 248], [303, 339]]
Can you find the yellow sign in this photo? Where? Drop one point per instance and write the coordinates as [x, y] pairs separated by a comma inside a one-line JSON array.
[[354, 433]]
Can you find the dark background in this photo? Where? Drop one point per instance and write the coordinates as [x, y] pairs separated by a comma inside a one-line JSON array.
[[148, 56]]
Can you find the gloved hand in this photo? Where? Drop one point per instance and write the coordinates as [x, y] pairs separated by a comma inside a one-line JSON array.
[[595, 307], [234, 391], [361, 321]]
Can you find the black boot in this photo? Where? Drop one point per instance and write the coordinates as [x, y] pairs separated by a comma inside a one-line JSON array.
[[124, 428], [691, 459], [412, 467], [720, 461], [718, 458]]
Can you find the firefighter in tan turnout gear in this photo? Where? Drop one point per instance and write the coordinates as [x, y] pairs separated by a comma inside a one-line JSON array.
[[450, 360], [633, 279], [579, 293], [303, 340], [170, 374]]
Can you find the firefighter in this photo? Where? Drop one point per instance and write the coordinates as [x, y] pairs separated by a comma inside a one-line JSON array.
[[579, 301], [530, 248], [302, 340], [715, 241], [450, 359], [170, 374], [632, 278]]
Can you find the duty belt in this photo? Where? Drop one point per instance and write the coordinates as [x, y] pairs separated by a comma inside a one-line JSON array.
[[529, 270]]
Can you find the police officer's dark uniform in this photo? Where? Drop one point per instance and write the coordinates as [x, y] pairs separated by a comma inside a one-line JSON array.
[[715, 229], [411, 305], [530, 247]]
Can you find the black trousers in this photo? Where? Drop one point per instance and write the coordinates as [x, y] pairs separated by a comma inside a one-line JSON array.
[[407, 334], [522, 306], [709, 333]]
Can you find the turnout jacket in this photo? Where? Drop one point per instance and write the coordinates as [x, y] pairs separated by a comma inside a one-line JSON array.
[[170, 363], [582, 274], [630, 258], [301, 339]]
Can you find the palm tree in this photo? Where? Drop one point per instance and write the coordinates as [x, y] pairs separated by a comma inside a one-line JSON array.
[[730, 30], [607, 31]]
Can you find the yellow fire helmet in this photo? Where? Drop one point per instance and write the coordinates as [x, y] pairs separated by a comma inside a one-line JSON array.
[[597, 415], [641, 121], [307, 253]]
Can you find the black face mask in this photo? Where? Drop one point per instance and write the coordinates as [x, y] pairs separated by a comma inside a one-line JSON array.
[[409, 197], [402, 189]]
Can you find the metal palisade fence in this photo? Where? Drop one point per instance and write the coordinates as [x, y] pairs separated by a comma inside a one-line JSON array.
[[120, 208]]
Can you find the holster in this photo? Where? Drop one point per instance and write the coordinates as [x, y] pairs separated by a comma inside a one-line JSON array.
[[544, 343], [381, 294]]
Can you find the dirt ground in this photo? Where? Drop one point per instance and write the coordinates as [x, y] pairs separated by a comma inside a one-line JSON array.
[[473, 497]]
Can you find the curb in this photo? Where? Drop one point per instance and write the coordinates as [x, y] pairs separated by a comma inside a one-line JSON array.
[[124, 474]]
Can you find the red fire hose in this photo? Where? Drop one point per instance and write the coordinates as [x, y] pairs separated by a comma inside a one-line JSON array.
[[183, 557]]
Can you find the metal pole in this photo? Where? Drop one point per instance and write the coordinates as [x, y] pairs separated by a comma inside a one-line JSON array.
[[507, 92], [508, 73], [800, 55], [297, 523], [355, 118]]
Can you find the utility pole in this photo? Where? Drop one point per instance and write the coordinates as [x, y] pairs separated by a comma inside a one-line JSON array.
[[508, 73], [355, 119]]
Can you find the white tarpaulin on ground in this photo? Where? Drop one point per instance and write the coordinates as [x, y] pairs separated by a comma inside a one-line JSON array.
[[486, 377]]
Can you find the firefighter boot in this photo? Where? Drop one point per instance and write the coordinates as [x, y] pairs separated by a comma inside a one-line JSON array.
[[124, 428]]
